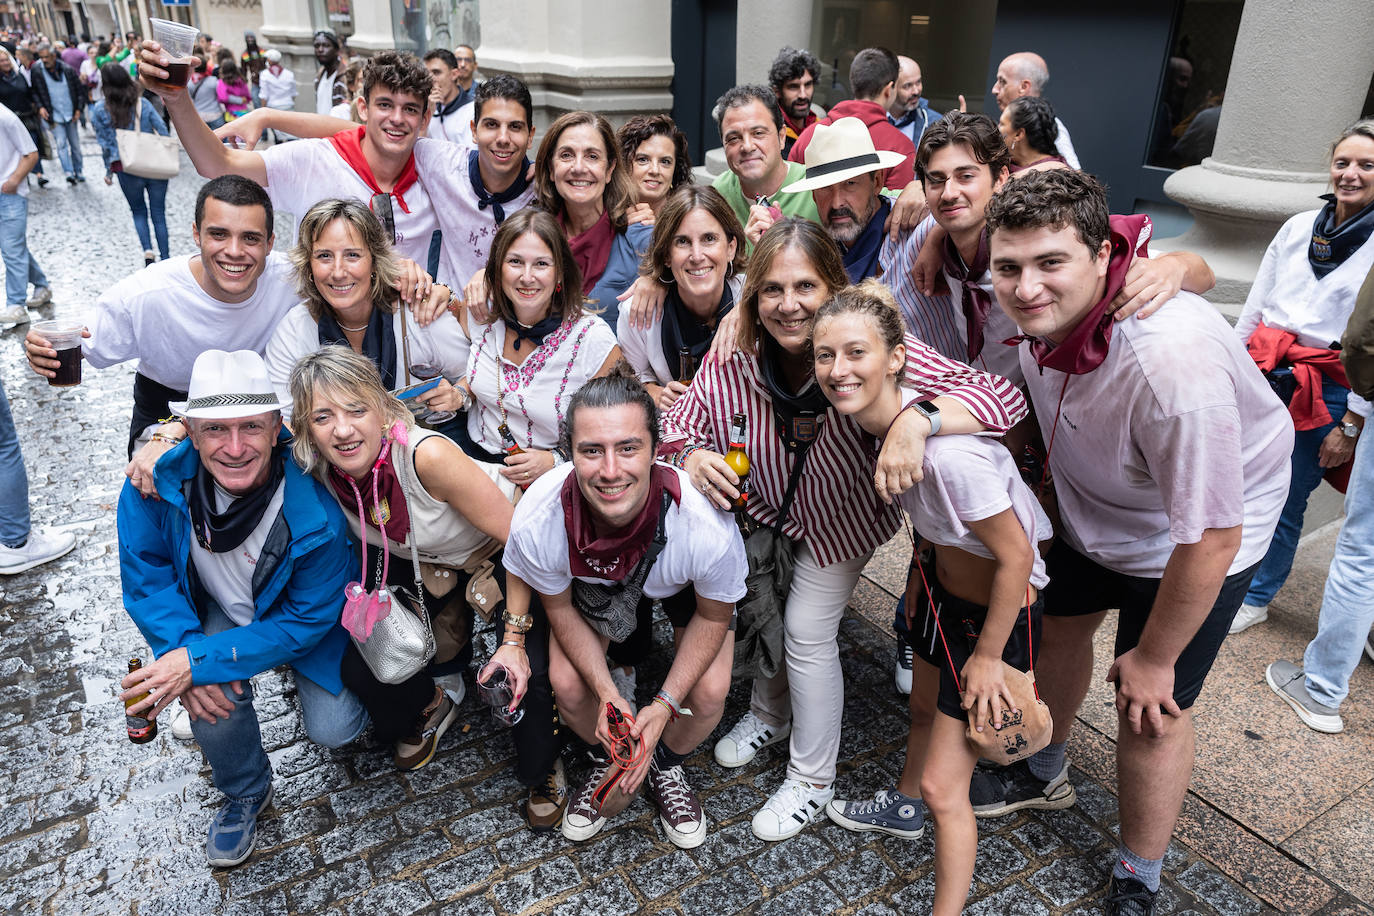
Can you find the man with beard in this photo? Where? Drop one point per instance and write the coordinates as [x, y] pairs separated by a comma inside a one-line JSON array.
[[910, 112], [793, 79]]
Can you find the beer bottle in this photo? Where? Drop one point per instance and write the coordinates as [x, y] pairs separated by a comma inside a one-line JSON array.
[[508, 443], [685, 367], [738, 461], [141, 728]]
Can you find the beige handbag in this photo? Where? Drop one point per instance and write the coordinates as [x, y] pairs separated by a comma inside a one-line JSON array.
[[147, 155]]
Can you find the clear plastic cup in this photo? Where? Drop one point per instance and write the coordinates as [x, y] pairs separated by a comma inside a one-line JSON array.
[[178, 41], [496, 693], [64, 336]]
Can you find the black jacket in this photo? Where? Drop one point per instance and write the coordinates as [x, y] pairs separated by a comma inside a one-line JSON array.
[[17, 95], [39, 81]]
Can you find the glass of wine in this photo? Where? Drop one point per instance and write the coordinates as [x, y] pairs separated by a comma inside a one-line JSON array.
[[424, 372]]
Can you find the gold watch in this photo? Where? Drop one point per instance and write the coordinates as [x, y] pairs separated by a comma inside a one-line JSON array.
[[519, 623]]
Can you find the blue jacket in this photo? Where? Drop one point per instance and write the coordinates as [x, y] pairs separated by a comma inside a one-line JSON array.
[[150, 123], [297, 586], [622, 267]]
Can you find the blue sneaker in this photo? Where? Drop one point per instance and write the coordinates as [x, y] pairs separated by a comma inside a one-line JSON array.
[[890, 812], [234, 831]]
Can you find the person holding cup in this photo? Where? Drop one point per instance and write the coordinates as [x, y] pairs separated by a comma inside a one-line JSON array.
[[178, 41], [361, 442]]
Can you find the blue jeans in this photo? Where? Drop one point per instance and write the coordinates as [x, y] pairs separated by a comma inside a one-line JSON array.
[[68, 145], [14, 480], [134, 189], [233, 745], [20, 267], [1307, 474], [1348, 604]]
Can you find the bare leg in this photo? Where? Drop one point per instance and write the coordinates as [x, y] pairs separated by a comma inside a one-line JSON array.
[[706, 700], [925, 686], [1153, 775], [1064, 668], [945, 786]]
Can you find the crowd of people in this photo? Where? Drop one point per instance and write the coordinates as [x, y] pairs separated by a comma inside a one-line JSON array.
[[565, 391]]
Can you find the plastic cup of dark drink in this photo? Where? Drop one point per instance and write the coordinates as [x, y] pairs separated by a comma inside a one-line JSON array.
[[178, 41], [65, 337]]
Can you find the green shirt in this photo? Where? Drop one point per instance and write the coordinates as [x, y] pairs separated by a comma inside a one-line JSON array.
[[799, 205]]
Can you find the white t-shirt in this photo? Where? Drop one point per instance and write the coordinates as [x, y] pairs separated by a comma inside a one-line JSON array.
[[468, 230], [324, 90], [454, 128], [442, 344], [305, 172], [1174, 433], [643, 347], [15, 144], [996, 357], [228, 576], [537, 391], [703, 548], [968, 479], [163, 318]]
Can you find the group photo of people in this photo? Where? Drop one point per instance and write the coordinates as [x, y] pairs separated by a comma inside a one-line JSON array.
[[630, 439]]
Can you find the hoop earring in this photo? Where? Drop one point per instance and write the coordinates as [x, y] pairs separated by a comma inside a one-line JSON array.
[[668, 280]]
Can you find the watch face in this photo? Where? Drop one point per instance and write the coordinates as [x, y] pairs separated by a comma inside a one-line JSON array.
[[1350, 430]]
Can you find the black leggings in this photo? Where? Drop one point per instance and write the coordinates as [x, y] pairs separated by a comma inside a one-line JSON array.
[[394, 708]]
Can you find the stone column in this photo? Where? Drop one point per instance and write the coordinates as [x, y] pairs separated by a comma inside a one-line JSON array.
[[762, 28], [286, 26], [611, 56], [1296, 81]]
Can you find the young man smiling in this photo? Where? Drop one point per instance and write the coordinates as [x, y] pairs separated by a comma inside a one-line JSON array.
[[1169, 460]]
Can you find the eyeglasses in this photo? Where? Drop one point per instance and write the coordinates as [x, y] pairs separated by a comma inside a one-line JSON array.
[[381, 208]]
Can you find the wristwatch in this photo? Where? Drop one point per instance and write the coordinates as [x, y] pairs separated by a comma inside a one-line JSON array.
[[931, 412], [1350, 430], [519, 623]]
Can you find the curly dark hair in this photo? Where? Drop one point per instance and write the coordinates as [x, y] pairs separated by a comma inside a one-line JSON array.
[[790, 64], [1052, 200], [976, 131], [639, 129], [398, 72], [1035, 116]]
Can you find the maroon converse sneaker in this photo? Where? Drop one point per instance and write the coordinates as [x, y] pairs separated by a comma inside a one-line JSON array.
[[678, 808]]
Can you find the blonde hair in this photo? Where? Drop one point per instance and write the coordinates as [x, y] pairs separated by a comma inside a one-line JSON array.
[[871, 299], [355, 380], [386, 270]]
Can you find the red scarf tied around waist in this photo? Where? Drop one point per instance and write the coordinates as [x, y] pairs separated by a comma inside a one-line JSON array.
[[614, 555], [349, 145]]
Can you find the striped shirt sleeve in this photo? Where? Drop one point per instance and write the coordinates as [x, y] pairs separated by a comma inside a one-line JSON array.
[[993, 401]]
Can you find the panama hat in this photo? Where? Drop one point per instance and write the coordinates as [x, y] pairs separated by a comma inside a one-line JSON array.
[[226, 385], [838, 152]]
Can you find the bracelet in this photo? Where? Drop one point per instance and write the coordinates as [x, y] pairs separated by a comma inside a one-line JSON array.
[[665, 699], [513, 642], [170, 440], [172, 419], [680, 459], [672, 713]]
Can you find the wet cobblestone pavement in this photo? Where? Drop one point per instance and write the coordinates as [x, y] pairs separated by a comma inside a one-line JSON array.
[[92, 824]]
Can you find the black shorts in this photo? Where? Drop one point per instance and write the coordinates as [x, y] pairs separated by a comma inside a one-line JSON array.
[[961, 622], [1080, 586]]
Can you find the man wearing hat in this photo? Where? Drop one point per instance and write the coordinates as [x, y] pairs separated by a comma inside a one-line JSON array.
[[330, 89], [239, 567], [844, 174]]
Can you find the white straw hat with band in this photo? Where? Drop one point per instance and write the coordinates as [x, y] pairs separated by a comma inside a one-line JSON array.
[[838, 152], [227, 385]]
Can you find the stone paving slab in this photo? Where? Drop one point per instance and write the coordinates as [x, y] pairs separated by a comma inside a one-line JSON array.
[[92, 824]]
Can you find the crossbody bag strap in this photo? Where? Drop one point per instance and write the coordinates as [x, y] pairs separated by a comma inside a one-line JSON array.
[[415, 558], [791, 492], [405, 344]]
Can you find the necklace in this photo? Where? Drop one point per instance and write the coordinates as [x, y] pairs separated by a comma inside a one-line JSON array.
[[354, 330]]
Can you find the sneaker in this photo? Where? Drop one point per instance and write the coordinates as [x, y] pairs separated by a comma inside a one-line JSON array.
[[71, 180], [584, 818], [747, 738], [418, 749], [889, 812], [234, 831], [788, 810], [1287, 680], [1247, 617], [545, 802], [37, 550], [181, 725], [625, 681], [1128, 897], [679, 810], [453, 686], [42, 295], [149, 257], [1002, 790], [13, 315], [42, 182], [80, 179], [902, 675]]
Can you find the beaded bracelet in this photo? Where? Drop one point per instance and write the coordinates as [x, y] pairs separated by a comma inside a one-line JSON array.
[[680, 459], [170, 440]]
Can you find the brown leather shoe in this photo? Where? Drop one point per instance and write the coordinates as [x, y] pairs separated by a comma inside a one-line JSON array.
[[418, 749], [545, 802]]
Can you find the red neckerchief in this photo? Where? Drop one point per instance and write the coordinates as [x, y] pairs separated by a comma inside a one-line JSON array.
[[793, 130], [592, 249], [613, 556], [389, 510], [1089, 342], [973, 298], [349, 145]]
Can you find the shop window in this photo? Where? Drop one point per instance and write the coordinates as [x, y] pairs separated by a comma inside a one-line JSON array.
[[1193, 85]]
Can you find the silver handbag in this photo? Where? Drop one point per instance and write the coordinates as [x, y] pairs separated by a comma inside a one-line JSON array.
[[401, 643]]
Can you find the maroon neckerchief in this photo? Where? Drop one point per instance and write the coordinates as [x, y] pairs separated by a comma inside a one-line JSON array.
[[391, 501], [592, 249], [973, 298], [613, 556], [1088, 343], [349, 145]]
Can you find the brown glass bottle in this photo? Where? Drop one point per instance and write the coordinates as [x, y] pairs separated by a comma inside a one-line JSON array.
[[508, 443], [686, 366], [141, 729], [738, 461]]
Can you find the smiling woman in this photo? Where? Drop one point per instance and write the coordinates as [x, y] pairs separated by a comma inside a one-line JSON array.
[[656, 153]]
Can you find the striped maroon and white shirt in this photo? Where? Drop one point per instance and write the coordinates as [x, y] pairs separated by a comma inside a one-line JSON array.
[[836, 511]]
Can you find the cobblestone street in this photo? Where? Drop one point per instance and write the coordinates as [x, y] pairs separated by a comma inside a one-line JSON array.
[[92, 824]]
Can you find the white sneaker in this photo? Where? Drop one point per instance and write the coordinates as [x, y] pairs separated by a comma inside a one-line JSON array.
[[1248, 616], [453, 686], [747, 738], [13, 315], [181, 725], [791, 808], [37, 550], [902, 676], [42, 295], [625, 681]]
